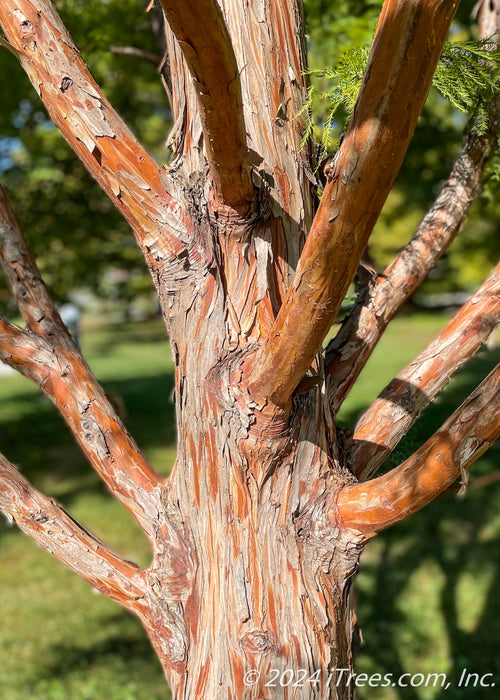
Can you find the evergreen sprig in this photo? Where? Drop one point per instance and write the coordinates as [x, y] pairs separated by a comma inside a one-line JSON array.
[[344, 85], [467, 74]]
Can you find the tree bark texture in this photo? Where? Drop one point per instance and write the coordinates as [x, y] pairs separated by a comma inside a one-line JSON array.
[[257, 533]]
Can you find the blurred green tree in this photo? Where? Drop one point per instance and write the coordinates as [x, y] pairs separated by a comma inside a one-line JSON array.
[[48, 185]]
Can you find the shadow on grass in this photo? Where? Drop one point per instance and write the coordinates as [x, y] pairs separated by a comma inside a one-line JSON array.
[[451, 550], [445, 542], [122, 652], [40, 443], [127, 641]]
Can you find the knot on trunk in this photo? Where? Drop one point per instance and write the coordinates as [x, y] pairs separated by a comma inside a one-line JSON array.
[[258, 642]]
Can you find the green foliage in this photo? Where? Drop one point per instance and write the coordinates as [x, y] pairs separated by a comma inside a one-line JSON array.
[[334, 26], [467, 75], [344, 85]]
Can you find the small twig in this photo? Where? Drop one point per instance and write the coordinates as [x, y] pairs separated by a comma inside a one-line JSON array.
[[136, 52], [9, 47]]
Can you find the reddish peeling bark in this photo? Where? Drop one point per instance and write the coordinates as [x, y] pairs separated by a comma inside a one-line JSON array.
[[389, 418], [67, 380], [386, 293], [359, 181], [376, 504], [202, 34], [53, 529], [257, 533], [107, 147]]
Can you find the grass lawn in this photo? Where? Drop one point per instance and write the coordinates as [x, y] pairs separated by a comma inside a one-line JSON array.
[[427, 595]]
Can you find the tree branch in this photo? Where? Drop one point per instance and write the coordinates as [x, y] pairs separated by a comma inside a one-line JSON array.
[[104, 143], [373, 505], [66, 379], [488, 14], [38, 310], [53, 362], [405, 51], [351, 348], [206, 45], [54, 530], [390, 417], [137, 52]]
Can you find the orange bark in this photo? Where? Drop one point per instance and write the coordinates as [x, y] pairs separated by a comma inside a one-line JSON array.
[[373, 505], [385, 295], [113, 156], [205, 42], [67, 380], [360, 178], [390, 416], [53, 529]]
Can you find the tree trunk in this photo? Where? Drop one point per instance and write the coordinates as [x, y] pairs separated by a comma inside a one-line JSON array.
[[257, 533], [269, 592], [268, 588]]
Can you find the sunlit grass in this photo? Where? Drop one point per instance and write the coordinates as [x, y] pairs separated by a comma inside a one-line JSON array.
[[59, 639]]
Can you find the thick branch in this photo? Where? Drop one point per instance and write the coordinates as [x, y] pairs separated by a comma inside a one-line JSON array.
[[349, 351], [488, 12], [66, 379], [53, 529], [373, 505], [99, 137], [206, 45], [407, 46], [390, 417]]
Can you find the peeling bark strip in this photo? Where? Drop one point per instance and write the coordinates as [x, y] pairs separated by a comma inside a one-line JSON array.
[[67, 380], [53, 529], [125, 171], [203, 37], [373, 505], [407, 44], [399, 405], [349, 351]]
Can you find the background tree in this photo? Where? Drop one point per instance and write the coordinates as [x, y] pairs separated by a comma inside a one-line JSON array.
[[263, 516], [48, 186]]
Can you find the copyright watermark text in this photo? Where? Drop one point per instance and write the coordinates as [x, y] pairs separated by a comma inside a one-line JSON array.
[[343, 677]]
